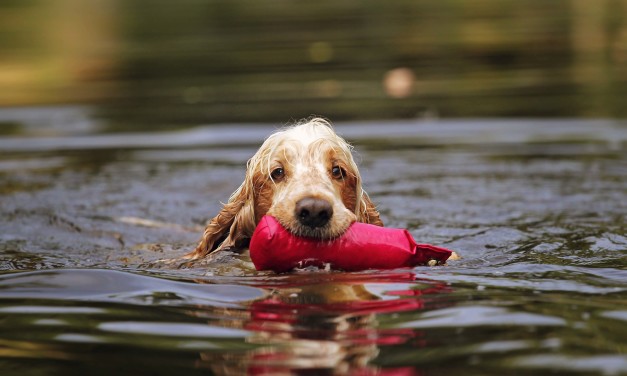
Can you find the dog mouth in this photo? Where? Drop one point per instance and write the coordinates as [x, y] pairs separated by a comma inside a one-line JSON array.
[[314, 218], [324, 232]]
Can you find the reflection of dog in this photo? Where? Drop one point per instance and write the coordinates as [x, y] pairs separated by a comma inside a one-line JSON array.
[[310, 326], [323, 328], [306, 177]]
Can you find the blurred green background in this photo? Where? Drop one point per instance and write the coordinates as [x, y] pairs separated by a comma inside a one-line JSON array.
[[156, 64]]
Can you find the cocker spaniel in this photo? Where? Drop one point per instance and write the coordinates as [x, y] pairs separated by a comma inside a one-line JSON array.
[[305, 177]]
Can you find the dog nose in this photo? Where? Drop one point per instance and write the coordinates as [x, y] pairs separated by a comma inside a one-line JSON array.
[[313, 212]]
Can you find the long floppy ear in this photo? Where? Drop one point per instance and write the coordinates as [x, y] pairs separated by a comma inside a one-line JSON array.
[[232, 226], [367, 212]]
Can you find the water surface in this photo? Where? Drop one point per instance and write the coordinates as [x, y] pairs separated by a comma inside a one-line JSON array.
[[536, 209]]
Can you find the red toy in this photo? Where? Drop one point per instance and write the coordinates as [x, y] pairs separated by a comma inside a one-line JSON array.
[[362, 247]]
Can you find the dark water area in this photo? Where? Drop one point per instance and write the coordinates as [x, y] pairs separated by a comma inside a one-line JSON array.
[[536, 208], [171, 65]]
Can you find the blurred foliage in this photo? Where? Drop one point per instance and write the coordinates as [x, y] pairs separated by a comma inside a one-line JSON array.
[[163, 64]]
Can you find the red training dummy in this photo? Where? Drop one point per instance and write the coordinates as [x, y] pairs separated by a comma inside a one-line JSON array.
[[362, 247]]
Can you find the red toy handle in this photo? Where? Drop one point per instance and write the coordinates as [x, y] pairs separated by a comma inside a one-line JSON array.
[[362, 247]]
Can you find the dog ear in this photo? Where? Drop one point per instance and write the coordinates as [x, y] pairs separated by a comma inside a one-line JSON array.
[[368, 213], [232, 226], [242, 227]]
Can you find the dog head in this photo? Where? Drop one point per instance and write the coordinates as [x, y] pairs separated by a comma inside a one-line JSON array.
[[305, 176]]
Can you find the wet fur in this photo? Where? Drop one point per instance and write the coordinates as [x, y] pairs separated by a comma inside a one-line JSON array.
[[307, 153]]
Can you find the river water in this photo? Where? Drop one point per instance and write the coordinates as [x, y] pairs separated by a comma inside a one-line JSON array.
[[535, 208]]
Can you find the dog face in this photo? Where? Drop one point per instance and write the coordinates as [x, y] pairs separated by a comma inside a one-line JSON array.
[[304, 176], [310, 183]]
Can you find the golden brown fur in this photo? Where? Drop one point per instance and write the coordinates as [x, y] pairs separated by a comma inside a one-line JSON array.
[[307, 160]]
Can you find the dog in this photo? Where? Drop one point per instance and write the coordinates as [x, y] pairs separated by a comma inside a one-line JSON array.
[[305, 176]]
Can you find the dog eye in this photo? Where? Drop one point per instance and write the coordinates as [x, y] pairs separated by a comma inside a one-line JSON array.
[[277, 173], [337, 172]]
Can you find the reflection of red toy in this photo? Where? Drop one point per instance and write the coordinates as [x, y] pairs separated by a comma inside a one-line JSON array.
[[362, 247]]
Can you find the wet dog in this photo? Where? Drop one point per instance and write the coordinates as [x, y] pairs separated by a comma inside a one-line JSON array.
[[305, 176]]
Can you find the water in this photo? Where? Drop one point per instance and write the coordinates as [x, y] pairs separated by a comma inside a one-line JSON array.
[[170, 64], [536, 208]]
